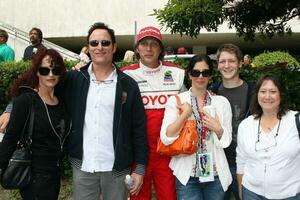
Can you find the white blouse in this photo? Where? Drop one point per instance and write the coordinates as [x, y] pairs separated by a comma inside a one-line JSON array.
[[271, 169], [182, 164]]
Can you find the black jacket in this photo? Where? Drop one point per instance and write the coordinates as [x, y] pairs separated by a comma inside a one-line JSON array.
[[47, 146], [129, 121]]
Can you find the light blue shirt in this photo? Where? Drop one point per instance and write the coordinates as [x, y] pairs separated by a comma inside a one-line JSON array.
[[98, 148]]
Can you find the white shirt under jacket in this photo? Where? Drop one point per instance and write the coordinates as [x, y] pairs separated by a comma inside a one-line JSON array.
[[182, 164], [274, 174], [98, 148]]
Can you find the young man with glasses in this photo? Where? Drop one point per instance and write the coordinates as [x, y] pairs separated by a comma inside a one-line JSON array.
[[109, 123], [157, 81], [238, 92]]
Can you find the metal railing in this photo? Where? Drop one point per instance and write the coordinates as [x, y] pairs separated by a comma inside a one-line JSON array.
[[23, 36]]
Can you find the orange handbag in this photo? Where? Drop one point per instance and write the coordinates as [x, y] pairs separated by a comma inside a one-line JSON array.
[[186, 143]]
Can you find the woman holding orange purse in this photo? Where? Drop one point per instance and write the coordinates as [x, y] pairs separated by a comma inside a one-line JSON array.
[[204, 174]]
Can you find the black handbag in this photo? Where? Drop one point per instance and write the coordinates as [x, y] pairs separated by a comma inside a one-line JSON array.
[[18, 172]]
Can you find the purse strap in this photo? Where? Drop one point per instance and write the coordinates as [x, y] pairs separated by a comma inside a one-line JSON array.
[[28, 137], [179, 103]]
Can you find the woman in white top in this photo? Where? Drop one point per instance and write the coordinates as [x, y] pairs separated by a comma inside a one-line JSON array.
[[204, 174], [268, 149], [84, 55]]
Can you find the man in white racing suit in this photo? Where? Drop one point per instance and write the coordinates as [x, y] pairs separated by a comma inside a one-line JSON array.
[[157, 80]]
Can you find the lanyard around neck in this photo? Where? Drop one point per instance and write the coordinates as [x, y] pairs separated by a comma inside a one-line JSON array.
[[258, 129], [201, 129]]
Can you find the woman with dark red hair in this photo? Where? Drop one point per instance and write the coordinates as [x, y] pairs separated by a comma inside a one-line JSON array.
[[36, 89]]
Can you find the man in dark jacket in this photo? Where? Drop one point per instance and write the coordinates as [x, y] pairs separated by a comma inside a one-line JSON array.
[[109, 123]]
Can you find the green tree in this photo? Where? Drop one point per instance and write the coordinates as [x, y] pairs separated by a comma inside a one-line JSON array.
[[268, 17]]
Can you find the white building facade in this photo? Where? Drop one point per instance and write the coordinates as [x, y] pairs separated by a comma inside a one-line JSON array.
[[66, 22]]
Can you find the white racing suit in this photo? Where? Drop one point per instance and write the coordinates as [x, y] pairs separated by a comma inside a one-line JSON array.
[[156, 85]]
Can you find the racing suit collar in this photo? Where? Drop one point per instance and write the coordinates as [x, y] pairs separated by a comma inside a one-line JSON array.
[[150, 70]]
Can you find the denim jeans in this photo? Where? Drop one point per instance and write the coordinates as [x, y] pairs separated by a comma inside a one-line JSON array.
[[233, 187], [248, 195], [194, 190]]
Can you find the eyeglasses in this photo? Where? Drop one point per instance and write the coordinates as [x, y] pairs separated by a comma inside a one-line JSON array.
[[44, 71], [205, 73], [107, 82], [266, 145], [104, 43]]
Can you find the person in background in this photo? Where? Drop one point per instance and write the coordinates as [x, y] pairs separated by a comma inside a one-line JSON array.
[[84, 55], [84, 58], [36, 88], [169, 50], [238, 92], [157, 81], [128, 56], [268, 148], [248, 60], [181, 50], [6, 52], [205, 174], [36, 38]]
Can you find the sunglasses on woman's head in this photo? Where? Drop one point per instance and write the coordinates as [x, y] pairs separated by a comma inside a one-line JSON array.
[[104, 43], [205, 73], [44, 71]]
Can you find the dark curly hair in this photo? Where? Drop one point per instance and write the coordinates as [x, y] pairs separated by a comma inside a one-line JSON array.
[[256, 109], [30, 78], [39, 32]]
